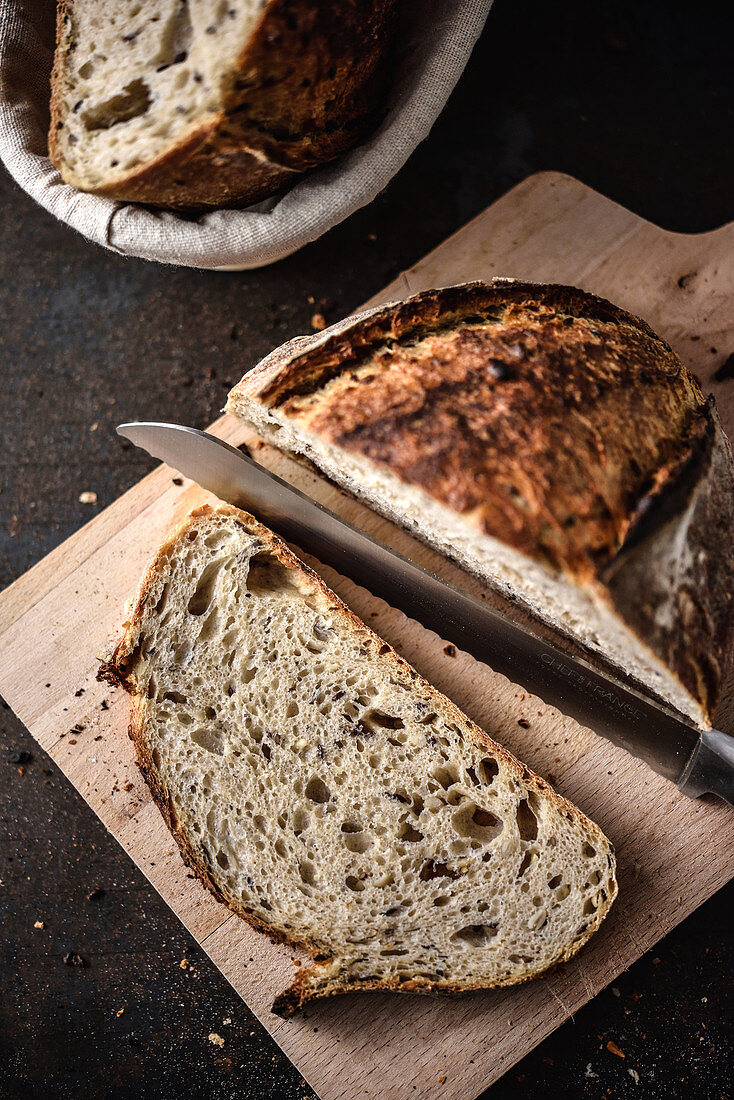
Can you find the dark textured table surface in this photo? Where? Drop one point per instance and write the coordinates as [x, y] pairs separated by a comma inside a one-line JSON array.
[[635, 100]]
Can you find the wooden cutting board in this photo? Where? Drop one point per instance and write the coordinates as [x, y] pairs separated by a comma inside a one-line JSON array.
[[58, 620]]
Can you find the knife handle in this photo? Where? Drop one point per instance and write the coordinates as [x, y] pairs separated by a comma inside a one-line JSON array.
[[711, 767]]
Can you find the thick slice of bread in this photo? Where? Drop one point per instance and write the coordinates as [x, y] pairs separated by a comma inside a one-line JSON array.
[[200, 103], [329, 795], [547, 441]]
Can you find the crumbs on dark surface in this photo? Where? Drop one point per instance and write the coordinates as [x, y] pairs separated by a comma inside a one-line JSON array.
[[20, 757], [71, 958]]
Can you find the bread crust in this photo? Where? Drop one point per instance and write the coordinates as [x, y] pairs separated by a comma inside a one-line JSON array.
[[321, 979], [564, 427], [309, 83]]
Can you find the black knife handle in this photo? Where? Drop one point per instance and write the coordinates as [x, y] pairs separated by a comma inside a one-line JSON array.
[[711, 767]]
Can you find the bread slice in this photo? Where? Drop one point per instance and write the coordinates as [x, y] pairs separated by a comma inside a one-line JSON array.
[[329, 795], [546, 440], [191, 105]]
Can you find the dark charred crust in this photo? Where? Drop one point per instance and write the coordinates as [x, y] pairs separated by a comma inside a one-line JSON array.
[[316, 76], [430, 311], [544, 417], [673, 485], [108, 673], [694, 584], [539, 453]]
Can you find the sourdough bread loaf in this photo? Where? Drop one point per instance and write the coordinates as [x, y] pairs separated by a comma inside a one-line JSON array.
[[546, 440], [191, 104], [328, 794]]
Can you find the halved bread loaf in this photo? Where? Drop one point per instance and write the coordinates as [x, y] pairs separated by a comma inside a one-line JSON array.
[[201, 103], [329, 795], [547, 441]]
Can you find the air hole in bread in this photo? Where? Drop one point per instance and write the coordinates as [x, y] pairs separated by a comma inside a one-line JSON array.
[[208, 739], [379, 720], [162, 599], [358, 842], [398, 739], [205, 587], [475, 935], [268, 576], [307, 872], [435, 869], [473, 822], [527, 822], [445, 776], [175, 40], [210, 630], [133, 101], [489, 770], [317, 790], [527, 859]]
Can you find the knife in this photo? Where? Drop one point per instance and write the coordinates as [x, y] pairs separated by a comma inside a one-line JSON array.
[[697, 761]]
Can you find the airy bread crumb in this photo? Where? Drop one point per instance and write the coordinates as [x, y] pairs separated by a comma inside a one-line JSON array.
[[331, 796]]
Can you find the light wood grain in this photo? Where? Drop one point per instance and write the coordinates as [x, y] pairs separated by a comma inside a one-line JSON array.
[[59, 618]]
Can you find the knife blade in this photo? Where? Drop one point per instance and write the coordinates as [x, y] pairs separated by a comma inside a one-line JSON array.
[[697, 761]]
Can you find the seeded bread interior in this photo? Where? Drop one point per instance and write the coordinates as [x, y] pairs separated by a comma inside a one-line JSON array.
[[329, 795], [205, 103]]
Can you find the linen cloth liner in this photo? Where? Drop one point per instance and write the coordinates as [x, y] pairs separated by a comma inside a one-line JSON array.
[[434, 41]]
